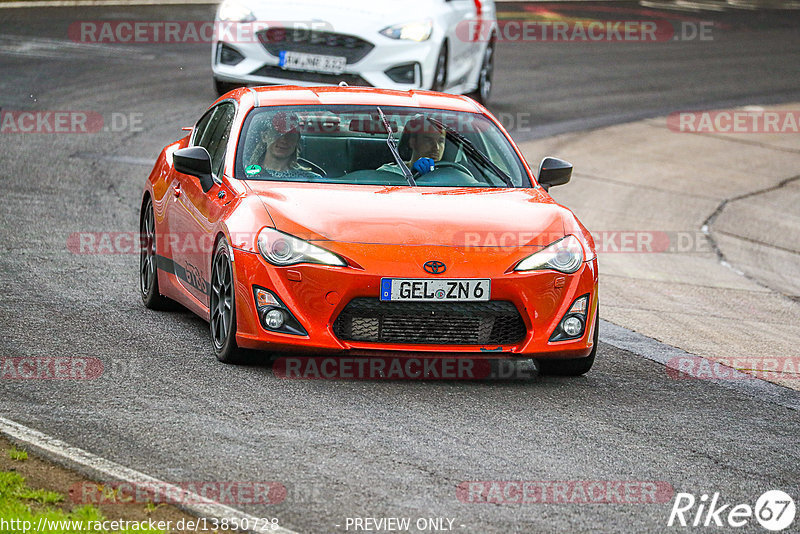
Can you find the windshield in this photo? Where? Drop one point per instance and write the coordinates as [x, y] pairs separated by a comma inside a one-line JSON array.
[[351, 145]]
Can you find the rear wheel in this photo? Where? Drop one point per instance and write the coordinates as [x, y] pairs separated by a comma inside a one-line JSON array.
[[576, 366], [223, 307], [148, 260]]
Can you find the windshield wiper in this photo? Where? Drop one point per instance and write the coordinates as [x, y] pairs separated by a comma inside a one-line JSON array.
[[473, 151], [393, 148]]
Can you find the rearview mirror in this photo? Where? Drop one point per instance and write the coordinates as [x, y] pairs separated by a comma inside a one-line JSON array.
[[194, 161], [554, 171]]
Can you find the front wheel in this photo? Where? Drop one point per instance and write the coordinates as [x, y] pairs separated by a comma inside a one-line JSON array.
[[223, 87], [223, 307], [484, 89], [576, 366], [440, 74]]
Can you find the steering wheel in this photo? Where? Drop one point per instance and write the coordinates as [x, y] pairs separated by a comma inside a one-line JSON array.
[[313, 166], [444, 164]]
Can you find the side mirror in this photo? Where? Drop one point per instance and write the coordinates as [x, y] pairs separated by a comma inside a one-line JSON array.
[[194, 161], [553, 171]]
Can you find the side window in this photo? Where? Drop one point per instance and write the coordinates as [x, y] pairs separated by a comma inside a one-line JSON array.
[[213, 131], [202, 125]]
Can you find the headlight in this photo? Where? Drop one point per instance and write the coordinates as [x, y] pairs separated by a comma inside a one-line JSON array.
[[283, 249], [564, 255], [411, 31], [235, 11]]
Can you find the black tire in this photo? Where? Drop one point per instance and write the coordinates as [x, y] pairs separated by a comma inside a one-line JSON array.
[[576, 366], [222, 309], [484, 89], [148, 262], [223, 87], [440, 74]]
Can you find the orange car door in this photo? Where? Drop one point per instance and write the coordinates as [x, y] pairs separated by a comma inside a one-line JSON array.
[[195, 212]]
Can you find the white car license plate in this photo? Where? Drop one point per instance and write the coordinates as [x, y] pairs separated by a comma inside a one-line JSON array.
[[426, 289], [312, 62]]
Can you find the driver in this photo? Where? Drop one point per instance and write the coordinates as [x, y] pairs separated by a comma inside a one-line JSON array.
[[426, 141]]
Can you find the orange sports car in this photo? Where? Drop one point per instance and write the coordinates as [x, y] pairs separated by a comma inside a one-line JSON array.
[[362, 221]]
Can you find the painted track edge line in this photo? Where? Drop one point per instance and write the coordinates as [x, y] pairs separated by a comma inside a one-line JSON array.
[[99, 468], [654, 350]]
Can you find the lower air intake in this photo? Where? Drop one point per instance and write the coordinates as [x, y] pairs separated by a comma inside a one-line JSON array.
[[430, 323]]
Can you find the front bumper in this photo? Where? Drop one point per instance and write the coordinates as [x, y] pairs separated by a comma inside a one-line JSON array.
[[371, 70], [316, 295]]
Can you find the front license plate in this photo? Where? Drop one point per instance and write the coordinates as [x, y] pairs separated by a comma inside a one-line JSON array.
[[312, 62], [459, 290]]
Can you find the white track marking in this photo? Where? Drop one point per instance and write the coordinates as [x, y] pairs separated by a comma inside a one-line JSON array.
[[651, 349], [99, 468]]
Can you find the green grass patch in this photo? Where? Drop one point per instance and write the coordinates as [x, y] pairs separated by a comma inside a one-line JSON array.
[[19, 503], [151, 507], [17, 454]]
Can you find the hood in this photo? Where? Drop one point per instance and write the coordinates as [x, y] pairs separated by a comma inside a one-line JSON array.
[[349, 16], [413, 215]]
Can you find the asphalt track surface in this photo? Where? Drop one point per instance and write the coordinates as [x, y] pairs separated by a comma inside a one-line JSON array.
[[344, 449]]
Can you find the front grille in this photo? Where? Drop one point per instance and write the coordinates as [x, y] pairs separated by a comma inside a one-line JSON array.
[[271, 71], [431, 323], [275, 40]]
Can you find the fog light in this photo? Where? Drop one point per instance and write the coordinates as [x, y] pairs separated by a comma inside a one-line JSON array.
[[274, 315], [274, 319], [572, 326], [228, 55], [406, 73]]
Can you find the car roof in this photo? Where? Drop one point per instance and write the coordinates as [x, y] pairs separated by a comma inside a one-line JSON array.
[[282, 95]]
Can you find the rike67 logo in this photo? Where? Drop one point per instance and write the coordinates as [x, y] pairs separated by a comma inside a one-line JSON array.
[[774, 511]]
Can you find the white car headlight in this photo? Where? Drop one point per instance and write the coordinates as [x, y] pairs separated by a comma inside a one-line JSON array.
[[283, 249], [235, 11], [419, 30], [564, 255]]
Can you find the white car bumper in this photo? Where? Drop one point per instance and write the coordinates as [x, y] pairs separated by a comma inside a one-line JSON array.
[[259, 66]]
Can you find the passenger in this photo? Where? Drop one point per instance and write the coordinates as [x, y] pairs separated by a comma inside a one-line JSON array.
[[280, 144], [426, 141]]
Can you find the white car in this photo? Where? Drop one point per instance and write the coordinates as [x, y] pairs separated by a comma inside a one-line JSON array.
[[443, 45]]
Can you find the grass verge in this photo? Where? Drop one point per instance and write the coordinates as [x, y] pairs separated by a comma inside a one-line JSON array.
[[34, 490]]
